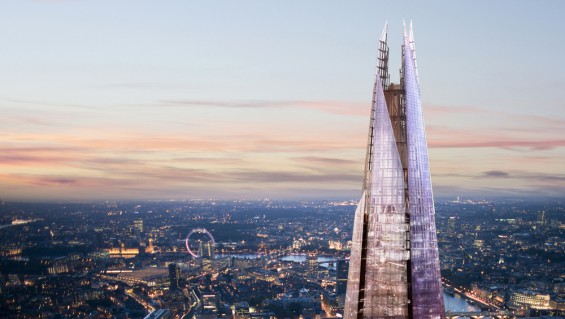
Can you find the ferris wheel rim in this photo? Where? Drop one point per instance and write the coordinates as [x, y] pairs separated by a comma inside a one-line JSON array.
[[198, 231]]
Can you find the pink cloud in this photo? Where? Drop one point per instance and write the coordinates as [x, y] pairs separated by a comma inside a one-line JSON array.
[[505, 144], [342, 108], [453, 137], [499, 116]]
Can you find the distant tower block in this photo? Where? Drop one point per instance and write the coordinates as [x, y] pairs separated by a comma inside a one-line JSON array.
[[341, 277], [174, 276], [209, 250], [312, 262], [138, 225], [394, 264], [541, 217], [451, 224], [201, 250]]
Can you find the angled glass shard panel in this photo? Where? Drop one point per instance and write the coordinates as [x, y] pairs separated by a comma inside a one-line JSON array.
[[353, 277], [386, 280], [426, 278], [378, 280]]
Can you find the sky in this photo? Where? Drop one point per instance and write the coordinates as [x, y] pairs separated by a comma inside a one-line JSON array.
[[159, 100]]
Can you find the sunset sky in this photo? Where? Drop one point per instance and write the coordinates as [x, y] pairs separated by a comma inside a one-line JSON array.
[[118, 100]]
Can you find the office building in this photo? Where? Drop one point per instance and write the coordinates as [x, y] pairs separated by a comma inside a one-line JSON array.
[[174, 276], [341, 277], [394, 266]]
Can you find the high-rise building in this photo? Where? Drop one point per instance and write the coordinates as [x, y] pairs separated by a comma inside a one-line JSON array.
[[210, 249], [174, 276], [138, 225], [341, 277], [206, 250], [541, 217], [312, 262], [451, 224], [394, 266]]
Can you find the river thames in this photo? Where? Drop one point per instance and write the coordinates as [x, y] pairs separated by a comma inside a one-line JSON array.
[[457, 304]]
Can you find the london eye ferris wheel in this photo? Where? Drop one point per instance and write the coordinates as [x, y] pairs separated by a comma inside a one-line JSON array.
[[198, 232]]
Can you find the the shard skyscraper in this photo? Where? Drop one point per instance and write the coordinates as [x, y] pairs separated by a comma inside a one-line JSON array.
[[394, 267]]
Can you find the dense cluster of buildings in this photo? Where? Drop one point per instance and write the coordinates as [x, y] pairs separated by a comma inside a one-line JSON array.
[[61, 263], [504, 254]]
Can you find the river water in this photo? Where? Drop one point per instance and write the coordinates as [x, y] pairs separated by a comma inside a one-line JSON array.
[[456, 303], [452, 302]]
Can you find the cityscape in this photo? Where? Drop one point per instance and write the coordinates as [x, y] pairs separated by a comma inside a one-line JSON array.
[[270, 258], [197, 160]]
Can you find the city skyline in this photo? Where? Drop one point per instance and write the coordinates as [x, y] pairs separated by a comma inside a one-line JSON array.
[[192, 100]]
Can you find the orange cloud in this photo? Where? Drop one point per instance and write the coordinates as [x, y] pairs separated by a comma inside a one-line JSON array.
[[341, 108], [248, 155], [449, 137]]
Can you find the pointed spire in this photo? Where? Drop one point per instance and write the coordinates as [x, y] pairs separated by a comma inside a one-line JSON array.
[[384, 33], [413, 49], [382, 63], [410, 54], [411, 41]]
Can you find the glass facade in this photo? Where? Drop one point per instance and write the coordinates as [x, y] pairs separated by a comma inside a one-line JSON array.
[[427, 297], [394, 264]]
